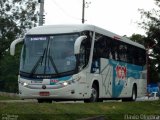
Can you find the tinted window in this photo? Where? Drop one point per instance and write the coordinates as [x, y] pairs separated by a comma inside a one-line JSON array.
[[106, 47]]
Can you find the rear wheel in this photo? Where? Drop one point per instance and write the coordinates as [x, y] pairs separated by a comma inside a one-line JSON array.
[[133, 97], [134, 94], [94, 94]]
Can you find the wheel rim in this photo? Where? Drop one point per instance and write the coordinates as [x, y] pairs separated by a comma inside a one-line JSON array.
[[94, 94], [134, 95]]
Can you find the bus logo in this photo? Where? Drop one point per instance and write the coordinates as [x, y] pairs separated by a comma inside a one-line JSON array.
[[121, 72]]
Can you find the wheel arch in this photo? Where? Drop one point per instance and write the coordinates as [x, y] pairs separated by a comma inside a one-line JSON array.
[[135, 87]]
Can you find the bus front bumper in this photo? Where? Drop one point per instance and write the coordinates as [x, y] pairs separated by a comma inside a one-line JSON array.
[[73, 91]]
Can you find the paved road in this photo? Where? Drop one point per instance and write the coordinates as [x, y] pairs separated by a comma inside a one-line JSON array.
[[34, 100]]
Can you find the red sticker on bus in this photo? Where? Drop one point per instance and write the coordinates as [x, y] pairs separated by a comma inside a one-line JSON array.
[[54, 80], [121, 72]]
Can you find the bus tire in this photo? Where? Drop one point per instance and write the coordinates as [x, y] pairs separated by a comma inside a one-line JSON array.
[[134, 94], [100, 100], [94, 94], [133, 97], [44, 101]]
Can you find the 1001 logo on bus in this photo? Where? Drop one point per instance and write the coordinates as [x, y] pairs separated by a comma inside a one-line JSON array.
[[121, 72]]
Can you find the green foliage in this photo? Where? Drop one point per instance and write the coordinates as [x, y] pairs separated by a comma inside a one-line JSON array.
[[9, 97], [8, 32], [16, 16], [151, 23], [9, 71], [138, 38]]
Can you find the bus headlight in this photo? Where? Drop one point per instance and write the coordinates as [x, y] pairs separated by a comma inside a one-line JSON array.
[[23, 83], [69, 82], [65, 83]]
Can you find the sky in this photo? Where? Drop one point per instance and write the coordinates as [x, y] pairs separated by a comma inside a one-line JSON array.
[[117, 16]]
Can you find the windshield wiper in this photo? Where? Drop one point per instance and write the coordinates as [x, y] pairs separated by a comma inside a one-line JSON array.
[[53, 64], [44, 52], [40, 60]]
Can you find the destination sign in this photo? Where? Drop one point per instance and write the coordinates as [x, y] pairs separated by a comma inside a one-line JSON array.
[[38, 38]]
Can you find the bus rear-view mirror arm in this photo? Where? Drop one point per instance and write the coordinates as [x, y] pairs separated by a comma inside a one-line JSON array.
[[13, 44], [77, 44]]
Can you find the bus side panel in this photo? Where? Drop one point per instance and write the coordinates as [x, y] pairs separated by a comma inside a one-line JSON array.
[[142, 84], [118, 79], [102, 71], [125, 75], [107, 78]]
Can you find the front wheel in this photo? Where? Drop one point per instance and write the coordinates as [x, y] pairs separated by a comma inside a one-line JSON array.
[[94, 95], [44, 101]]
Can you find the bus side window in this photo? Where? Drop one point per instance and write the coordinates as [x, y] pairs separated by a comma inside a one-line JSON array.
[[129, 54], [85, 48], [96, 51], [136, 55], [122, 52], [114, 50], [88, 46], [108, 47], [141, 57], [99, 47]]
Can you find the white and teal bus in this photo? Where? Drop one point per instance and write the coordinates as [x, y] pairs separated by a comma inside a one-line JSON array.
[[80, 62]]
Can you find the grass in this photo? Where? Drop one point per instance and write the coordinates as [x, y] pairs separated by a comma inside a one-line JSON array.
[[8, 97], [75, 111]]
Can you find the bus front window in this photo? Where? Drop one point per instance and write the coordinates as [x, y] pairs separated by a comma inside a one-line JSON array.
[[48, 55]]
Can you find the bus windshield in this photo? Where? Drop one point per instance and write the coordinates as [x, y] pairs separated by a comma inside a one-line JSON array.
[[48, 54]]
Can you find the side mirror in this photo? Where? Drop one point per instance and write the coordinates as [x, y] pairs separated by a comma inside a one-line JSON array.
[[13, 44], [78, 44]]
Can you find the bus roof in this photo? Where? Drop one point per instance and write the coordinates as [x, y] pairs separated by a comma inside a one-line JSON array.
[[61, 29]]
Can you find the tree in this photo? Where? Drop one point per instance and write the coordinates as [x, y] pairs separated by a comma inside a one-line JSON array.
[[16, 16], [138, 38], [151, 23]]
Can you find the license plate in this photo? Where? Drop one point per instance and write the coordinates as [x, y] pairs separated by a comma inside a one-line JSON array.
[[44, 93]]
